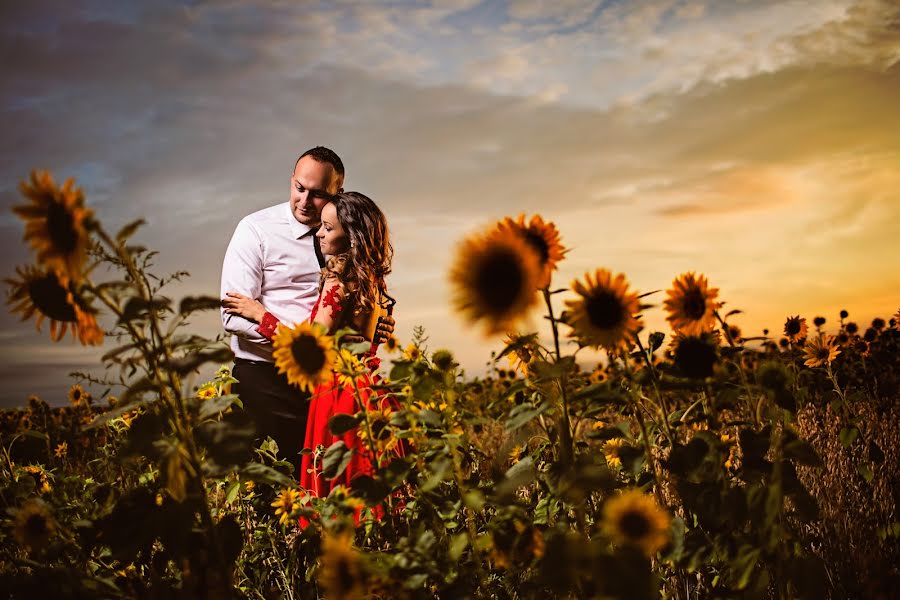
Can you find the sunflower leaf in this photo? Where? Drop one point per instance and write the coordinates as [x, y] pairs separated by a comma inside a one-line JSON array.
[[341, 423], [194, 303], [336, 459], [129, 230]]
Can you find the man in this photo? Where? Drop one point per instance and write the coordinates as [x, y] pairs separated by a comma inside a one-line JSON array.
[[274, 257]]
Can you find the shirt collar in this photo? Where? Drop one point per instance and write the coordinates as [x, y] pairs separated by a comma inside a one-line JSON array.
[[298, 229]]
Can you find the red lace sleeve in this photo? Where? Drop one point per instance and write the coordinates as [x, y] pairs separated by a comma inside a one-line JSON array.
[[268, 325]]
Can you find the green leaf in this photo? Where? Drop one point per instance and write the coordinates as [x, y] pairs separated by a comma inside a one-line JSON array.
[[341, 423], [802, 452], [232, 492], [866, 471], [458, 545], [848, 436], [524, 413], [260, 473], [194, 303], [214, 406], [336, 459]]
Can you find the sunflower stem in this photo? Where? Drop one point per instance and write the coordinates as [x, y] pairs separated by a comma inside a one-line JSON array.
[[566, 452], [654, 379]]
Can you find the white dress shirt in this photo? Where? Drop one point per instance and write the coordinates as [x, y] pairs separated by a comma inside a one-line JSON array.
[[270, 258]]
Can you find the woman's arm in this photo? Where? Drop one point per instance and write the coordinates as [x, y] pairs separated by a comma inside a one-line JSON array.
[[332, 305]]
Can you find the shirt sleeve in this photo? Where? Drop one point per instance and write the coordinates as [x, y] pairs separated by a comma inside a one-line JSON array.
[[242, 272]]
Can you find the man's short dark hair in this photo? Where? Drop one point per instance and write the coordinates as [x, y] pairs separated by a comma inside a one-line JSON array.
[[327, 156]]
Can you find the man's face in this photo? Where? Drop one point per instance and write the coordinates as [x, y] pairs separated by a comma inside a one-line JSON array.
[[312, 186]]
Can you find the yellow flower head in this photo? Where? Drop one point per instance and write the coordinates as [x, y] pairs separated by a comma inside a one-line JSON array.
[[34, 526], [691, 304], [350, 368], [604, 315], [61, 450], [78, 397], [633, 518], [55, 224], [412, 353], [287, 502], [342, 573], [599, 375], [495, 279], [543, 238], [305, 354], [391, 345], [795, 328], [207, 391], [611, 451], [51, 296], [821, 351]]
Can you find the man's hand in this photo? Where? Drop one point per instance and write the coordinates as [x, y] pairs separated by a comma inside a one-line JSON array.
[[384, 329]]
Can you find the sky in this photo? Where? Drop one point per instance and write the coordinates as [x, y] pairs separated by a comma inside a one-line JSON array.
[[755, 142]]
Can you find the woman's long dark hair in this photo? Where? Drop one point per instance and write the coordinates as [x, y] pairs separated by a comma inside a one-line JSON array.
[[364, 266]]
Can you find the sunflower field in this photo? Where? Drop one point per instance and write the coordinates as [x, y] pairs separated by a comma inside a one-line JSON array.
[[688, 463]]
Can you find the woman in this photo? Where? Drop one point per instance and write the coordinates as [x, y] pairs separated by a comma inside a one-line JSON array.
[[351, 294]]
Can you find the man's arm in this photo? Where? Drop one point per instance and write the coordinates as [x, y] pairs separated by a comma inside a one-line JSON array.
[[242, 272]]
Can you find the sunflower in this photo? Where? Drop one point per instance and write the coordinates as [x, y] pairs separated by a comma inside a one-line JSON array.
[[49, 295], [56, 223], [33, 526], [287, 502], [543, 238], [350, 368], [495, 278], [443, 359], [795, 329], [412, 353], [207, 391], [696, 355], [691, 304], [604, 315], [599, 375], [523, 352], [611, 452], [78, 397], [633, 518], [821, 351], [61, 450], [896, 319], [342, 575], [391, 345], [304, 354]]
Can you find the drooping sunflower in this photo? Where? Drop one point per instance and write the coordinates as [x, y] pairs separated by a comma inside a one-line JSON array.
[[633, 518], [443, 359], [343, 574], [604, 315], [795, 328], [34, 526], [495, 279], [349, 368], [543, 238], [287, 502], [691, 304], [55, 223], [50, 296], [821, 351], [695, 356], [305, 354]]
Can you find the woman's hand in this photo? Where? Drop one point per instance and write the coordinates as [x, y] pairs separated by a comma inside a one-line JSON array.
[[242, 306]]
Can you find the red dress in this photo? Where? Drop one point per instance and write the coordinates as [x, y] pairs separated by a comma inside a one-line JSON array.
[[329, 399]]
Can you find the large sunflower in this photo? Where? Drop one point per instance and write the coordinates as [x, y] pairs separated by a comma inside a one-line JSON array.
[[47, 294], [604, 315], [343, 574], [820, 351], [33, 526], [691, 304], [495, 279], [543, 238], [305, 354], [633, 518], [55, 223], [286, 503]]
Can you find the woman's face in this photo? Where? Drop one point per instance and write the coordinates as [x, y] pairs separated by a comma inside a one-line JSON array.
[[332, 238]]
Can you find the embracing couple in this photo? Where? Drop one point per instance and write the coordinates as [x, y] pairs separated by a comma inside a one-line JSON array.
[[319, 258]]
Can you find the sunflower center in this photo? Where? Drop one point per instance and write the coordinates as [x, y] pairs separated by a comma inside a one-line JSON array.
[[499, 280], [537, 241], [792, 327], [605, 310], [823, 353], [51, 298], [61, 227], [695, 357], [309, 356], [635, 525], [36, 526], [694, 304]]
